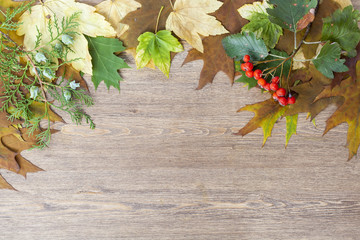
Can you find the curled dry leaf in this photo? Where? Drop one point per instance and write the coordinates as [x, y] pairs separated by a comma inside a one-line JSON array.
[[90, 23], [190, 19], [115, 10]]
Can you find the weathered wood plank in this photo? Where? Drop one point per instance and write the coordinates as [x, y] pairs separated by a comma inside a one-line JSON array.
[[163, 164]]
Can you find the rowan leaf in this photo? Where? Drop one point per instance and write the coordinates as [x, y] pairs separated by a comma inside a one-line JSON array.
[[348, 111], [241, 44], [266, 115], [342, 27], [105, 63], [89, 23], [260, 23], [115, 10], [214, 56], [291, 125], [190, 19], [328, 60], [288, 13], [157, 47]]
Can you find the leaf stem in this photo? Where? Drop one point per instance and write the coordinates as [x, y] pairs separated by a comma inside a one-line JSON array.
[[158, 18], [273, 55], [172, 6], [295, 41], [309, 43]]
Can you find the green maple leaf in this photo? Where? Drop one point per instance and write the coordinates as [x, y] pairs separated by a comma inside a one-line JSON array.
[[260, 23], [342, 27], [105, 63], [328, 60], [288, 13], [241, 44], [157, 47]]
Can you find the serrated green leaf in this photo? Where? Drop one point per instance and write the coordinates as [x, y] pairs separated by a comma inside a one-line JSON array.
[[291, 125], [157, 47], [241, 44], [260, 23], [288, 13], [328, 60], [342, 27], [105, 63]]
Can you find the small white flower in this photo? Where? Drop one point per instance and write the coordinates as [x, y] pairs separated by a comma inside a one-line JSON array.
[[40, 57], [67, 95], [34, 91], [74, 85]]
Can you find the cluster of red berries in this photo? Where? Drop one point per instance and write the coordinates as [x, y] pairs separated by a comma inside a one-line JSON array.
[[279, 94]]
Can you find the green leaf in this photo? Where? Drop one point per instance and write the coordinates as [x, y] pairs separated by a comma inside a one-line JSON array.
[[288, 13], [105, 63], [291, 125], [328, 60], [260, 23], [241, 44], [157, 47], [342, 27]]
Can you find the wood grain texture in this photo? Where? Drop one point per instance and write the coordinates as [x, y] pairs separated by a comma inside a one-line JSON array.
[[163, 164]]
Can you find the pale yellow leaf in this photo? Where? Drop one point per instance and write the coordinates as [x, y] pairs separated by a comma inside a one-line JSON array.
[[190, 19], [247, 10], [90, 23], [115, 10]]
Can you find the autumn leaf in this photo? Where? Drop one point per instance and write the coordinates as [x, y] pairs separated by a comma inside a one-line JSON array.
[[90, 23], [291, 125], [260, 23], [348, 111], [288, 13], [342, 27], [157, 47], [266, 115], [214, 56], [115, 10], [328, 60], [190, 18], [106, 64], [144, 20], [241, 44]]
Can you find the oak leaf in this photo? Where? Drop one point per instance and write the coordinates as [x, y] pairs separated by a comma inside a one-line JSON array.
[[90, 23], [115, 10], [190, 19], [348, 111]]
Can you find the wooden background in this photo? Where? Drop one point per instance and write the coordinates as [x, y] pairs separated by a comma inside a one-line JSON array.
[[163, 164]]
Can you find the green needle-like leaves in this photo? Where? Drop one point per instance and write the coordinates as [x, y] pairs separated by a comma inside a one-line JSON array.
[[157, 47], [342, 27], [288, 13], [328, 60], [241, 44], [105, 63]]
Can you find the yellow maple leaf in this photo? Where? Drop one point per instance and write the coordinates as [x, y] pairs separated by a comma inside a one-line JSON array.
[[115, 10], [190, 18], [90, 23]]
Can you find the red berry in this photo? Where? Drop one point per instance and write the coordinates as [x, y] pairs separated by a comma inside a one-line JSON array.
[[246, 58], [275, 80], [249, 74], [275, 96], [249, 66], [261, 82], [267, 86], [281, 92], [243, 67], [274, 86], [257, 74], [291, 100], [283, 101]]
